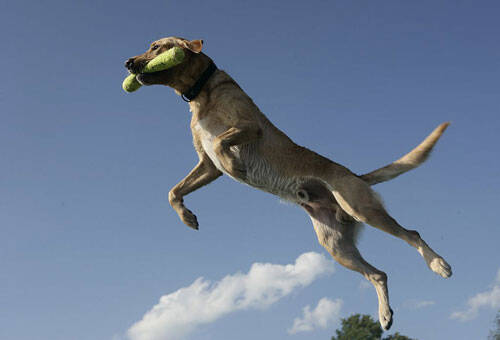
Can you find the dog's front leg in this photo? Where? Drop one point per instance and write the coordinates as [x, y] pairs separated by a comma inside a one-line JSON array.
[[233, 137], [202, 174]]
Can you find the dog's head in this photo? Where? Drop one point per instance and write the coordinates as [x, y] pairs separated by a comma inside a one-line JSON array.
[[181, 76]]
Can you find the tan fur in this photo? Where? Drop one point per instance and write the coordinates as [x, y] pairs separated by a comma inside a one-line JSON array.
[[233, 137]]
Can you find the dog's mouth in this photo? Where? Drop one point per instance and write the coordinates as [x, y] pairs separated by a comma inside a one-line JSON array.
[[136, 67], [146, 78], [151, 78]]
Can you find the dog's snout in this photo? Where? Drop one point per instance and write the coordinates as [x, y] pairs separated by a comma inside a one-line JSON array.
[[129, 63]]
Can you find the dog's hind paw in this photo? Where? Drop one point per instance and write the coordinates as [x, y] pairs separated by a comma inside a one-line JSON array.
[[435, 262], [439, 266], [385, 317]]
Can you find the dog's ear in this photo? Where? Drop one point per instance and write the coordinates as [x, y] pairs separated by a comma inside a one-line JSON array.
[[193, 45]]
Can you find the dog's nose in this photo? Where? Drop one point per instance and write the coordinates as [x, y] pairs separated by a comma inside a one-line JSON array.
[[129, 63]]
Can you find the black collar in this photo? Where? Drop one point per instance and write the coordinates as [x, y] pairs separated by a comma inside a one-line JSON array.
[[195, 90]]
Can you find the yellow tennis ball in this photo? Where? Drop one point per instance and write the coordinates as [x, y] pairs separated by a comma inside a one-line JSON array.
[[130, 84], [166, 60]]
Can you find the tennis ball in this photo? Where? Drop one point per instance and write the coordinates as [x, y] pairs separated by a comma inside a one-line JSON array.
[[130, 84], [166, 60]]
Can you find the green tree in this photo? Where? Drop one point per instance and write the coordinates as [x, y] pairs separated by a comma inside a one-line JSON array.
[[397, 336], [363, 327], [495, 334]]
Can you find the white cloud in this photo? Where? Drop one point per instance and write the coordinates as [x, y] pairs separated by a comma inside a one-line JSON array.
[[326, 313], [181, 312], [417, 304], [489, 298]]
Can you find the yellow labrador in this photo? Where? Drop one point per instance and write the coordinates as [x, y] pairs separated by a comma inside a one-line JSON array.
[[233, 137]]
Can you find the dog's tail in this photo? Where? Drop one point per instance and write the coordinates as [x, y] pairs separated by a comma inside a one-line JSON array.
[[409, 161]]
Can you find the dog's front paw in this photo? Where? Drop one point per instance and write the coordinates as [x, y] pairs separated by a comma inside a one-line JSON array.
[[189, 218]]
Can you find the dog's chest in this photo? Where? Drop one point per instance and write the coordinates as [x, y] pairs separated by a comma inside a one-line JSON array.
[[207, 136]]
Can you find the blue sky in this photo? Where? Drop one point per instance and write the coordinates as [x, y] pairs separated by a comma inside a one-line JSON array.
[[88, 241]]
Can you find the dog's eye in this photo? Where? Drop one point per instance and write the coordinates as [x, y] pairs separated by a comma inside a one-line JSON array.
[[155, 47]]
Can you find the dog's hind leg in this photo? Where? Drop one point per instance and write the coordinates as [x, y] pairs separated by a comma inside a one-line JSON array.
[[357, 198], [336, 232], [349, 257], [338, 240]]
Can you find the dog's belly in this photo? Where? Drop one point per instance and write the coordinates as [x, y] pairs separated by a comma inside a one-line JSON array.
[[260, 174]]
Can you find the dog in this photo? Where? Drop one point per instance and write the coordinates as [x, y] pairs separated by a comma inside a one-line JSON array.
[[233, 137]]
